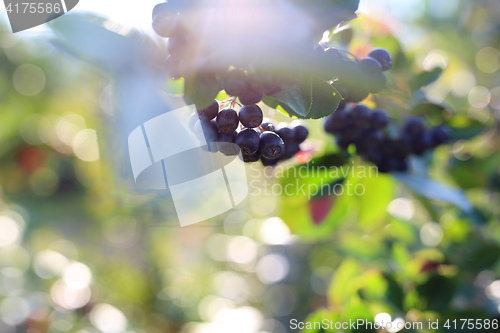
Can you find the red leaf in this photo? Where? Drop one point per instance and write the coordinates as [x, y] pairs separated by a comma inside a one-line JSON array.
[[320, 207]]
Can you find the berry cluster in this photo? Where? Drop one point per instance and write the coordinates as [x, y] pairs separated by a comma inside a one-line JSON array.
[[367, 130], [354, 80], [251, 79], [258, 138], [189, 56]]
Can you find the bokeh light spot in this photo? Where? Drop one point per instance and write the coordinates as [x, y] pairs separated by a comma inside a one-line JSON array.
[[431, 234], [479, 97], [108, 319], [488, 60], [29, 80], [272, 268]]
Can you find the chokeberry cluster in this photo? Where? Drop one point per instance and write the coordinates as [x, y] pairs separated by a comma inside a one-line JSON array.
[[190, 56], [258, 138], [354, 79], [250, 79], [368, 130]]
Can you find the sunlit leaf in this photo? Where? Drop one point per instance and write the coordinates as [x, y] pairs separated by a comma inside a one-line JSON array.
[[343, 285], [325, 99], [425, 78], [296, 100], [434, 190]]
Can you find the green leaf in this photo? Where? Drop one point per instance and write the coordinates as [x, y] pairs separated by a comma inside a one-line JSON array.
[[295, 100], [325, 99], [434, 190], [436, 114], [311, 98], [401, 255], [425, 78], [306, 213], [344, 284], [319, 316], [378, 193], [374, 284]]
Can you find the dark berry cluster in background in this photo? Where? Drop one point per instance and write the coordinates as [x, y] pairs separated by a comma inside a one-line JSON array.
[[257, 138], [353, 79], [368, 130]]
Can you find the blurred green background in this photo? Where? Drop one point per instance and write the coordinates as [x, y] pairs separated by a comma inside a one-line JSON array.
[[82, 250]]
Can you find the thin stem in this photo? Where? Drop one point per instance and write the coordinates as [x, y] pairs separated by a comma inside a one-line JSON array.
[[233, 103]]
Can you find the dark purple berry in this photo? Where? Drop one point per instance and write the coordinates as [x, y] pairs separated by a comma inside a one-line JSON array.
[[383, 167], [271, 145], [250, 97], [265, 84], [401, 147], [290, 151], [226, 145], [227, 121], [251, 116], [440, 135], [300, 133], [372, 138], [236, 82], [369, 65], [227, 137], [379, 119], [358, 93], [383, 57], [206, 130], [414, 126], [267, 126], [386, 148], [376, 82], [343, 143], [285, 133], [361, 115], [334, 53], [362, 147], [349, 72], [248, 140], [336, 122], [251, 158], [353, 133], [396, 164], [210, 112], [375, 156], [422, 143]]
